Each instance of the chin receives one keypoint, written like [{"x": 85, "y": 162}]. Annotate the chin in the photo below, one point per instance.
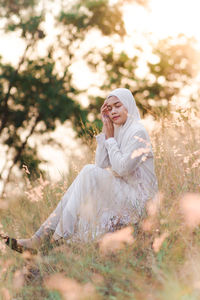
[{"x": 118, "y": 122}]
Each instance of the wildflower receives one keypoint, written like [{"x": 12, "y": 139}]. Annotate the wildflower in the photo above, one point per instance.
[
  {"x": 5, "y": 294},
  {"x": 112, "y": 242},
  {"x": 190, "y": 208},
  {"x": 18, "y": 280},
  {"x": 154, "y": 204},
  {"x": 196, "y": 152},
  {"x": 140, "y": 151},
  {"x": 70, "y": 288},
  {"x": 26, "y": 169},
  {"x": 141, "y": 140},
  {"x": 2, "y": 247},
  {"x": 3, "y": 204},
  {"x": 148, "y": 225},
  {"x": 186, "y": 159},
  {"x": 27, "y": 256},
  {"x": 152, "y": 208},
  {"x": 36, "y": 193},
  {"x": 97, "y": 278},
  {"x": 196, "y": 164},
  {"x": 158, "y": 241},
  {"x": 6, "y": 265}
]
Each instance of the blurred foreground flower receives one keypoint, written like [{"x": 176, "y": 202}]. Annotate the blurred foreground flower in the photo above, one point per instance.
[
  {"x": 5, "y": 265},
  {"x": 3, "y": 204},
  {"x": 97, "y": 278},
  {"x": 28, "y": 256},
  {"x": 190, "y": 270},
  {"x": 69, "y": 288},
  {"x": 18, "y": 280},
  {"x": 158, "y": 241},
  {"x": 5, "y": 294},
  {"x": 112, "y": 242},
  {"x": 152, "y": 208},
  {"x": 139, "y": 152},
  {"x": 190, "y": 208},
  {"x": 154, "y": 205}
]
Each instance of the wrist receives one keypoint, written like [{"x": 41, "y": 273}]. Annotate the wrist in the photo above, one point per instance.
[
  {"x": 109, "y": 142},
  {"x": 109, "y": 136}
]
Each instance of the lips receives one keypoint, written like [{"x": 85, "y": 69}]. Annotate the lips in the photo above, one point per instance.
[{"x": 114, "y": 118}]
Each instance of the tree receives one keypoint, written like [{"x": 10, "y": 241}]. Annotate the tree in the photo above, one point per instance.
[
  {"x": 35, "y": 94},
  {"x": 175, "y": 65}
]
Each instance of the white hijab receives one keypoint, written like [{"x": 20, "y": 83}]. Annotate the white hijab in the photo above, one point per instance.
[{"x": 126, "y": 97}]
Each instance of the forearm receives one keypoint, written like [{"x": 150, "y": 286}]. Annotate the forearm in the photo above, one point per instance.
[{"x": 123, "y": 163}]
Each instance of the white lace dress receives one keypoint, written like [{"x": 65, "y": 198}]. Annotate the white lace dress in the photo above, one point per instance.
[{"x": 112, "y": 190}]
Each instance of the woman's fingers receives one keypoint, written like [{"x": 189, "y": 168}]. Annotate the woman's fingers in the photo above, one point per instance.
[
  {"x": 108, "y": 128},
  {"x": 104, "y": 106},
  {"x": 108, "y": 124},
  {"x": 108, "y": 120},
  {"x": 104, "y": 110}
]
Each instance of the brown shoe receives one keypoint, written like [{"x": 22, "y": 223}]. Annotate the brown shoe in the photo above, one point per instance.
[{"x": 14, "y": 245}]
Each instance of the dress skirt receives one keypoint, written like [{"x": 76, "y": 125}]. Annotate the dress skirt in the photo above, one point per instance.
[{"x": 92, "y": 204}]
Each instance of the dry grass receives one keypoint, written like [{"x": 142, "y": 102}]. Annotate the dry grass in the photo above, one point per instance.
[{"x": 159, "y": 260}]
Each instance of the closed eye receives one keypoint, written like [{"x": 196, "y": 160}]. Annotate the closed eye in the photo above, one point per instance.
[{"x": 115, "y": 104}]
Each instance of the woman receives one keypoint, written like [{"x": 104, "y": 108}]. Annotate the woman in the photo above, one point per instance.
[{"x": 112, "y": 191}]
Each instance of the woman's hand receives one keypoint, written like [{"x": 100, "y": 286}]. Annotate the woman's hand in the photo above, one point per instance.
[
  {"x": 108, "y": 127},
  {"x": 104, "y": 111}
]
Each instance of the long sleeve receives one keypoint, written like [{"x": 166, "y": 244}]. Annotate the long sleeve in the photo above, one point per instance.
[
  {"x": 134, "y": 153},
  {"x": 101, "y": 156}
]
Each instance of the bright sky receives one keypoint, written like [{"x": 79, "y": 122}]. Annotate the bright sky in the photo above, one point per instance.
[
  {"x": 165, "y": 17},
  {"x": 162, "y": 18}
]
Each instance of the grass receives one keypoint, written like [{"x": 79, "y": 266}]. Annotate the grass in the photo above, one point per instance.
[{"x": 150, "y": 268}]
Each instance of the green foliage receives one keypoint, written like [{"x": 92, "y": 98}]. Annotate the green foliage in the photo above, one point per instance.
[
  {"x": 53, "y": 295},
  {"x": 88, "y": 14},
  {"x": 28, "y": 27},
  {"x": 175, "y": 65},
  {"x": 38, "y": 95},
  {"x": 34, "y": 94},
  {"x": 15, "y": 7}
]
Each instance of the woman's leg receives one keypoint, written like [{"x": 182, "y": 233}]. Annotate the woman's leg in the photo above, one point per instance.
[
  {"x": 90, "y": 183},
  {"x": 91, "y": 193}
]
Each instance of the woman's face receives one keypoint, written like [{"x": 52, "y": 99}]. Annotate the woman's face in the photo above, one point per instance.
[{"x": 116, "y": 110}]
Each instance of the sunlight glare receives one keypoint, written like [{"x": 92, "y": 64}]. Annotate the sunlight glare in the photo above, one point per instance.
[{"x": 164, "y": 18}]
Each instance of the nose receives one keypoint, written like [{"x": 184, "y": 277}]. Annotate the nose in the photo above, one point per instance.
[{"x": 113, "y": 111}]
